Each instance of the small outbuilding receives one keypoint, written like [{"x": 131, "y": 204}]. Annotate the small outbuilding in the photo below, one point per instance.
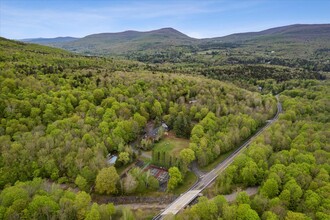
[
  {"x": 111, "y": 159},
  {"x": 154, "y": 134}
]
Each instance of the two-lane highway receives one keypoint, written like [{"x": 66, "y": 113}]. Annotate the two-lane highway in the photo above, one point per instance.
[{"x": 208, "y": 178}]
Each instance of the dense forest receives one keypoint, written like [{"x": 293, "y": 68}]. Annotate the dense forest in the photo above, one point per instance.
[
  {"x": 290, "y": 163},
  {"x": 62, "y": 115}
]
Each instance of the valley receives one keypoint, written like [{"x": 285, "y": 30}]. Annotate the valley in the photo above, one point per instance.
[{"x": 184, "y": 120}]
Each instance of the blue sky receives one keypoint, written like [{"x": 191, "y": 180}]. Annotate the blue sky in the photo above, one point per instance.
[{"x": 51, "y": 18}]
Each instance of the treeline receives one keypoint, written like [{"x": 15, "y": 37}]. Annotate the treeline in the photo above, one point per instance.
[
  {"x": 251, "y": 76},
  {"x": 38, "y": 199},
  {"x": 290, "y": 163},
  {"x": 260, "y": 72},
  {"x": 309, "y": 65}
]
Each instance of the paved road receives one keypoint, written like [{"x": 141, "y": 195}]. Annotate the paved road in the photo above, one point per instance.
[
  {"x": 209, "y": 177},
  {"x": 185, "y": 198}
]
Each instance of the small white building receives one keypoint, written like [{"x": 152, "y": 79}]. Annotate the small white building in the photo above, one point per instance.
[{"x": 112, "y": 159}]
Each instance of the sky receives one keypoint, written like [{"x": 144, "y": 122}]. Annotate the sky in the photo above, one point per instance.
[{"x": 20, "y": 19}]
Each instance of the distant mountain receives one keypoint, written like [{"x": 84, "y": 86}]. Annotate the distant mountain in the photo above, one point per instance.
[
  {"x": 299, "y": 29},
  {"x": 276, "y": 45},
  {"x": 289, "y": 40},
  {"x": 296, "y": 31},
  {"x": 128, "y": 41},
  {"x": 49, "y": 41}
]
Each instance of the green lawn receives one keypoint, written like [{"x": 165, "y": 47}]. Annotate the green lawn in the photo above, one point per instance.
[
  {"x": 144, "y": 159},
  {"x": 171, "y": 144},
  {"x": 221, "y": 158},
  {"x": 188, "y": 181}
]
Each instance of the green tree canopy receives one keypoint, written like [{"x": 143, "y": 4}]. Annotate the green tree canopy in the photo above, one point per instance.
[
  {"x": 175, "y": 178},
  {"x": 106, "y": 181}
]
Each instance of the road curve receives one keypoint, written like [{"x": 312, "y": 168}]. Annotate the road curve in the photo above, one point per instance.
[{"x": 209, "y": 177}]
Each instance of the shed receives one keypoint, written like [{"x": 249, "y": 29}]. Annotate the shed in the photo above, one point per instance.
[{"x": 112, "y": 160}]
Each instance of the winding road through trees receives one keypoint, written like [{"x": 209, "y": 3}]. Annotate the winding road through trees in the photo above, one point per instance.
[{"x": 209, "y": 177}]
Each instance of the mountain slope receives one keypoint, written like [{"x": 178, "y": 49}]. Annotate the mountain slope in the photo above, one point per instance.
[
  {"x": 299, "y": 41},
  {"x": 298, "y": 31},
  {"x": 298, "y": 45},
  {"x": 128, "y": 41},
  {"x": 49, "y": 41}
]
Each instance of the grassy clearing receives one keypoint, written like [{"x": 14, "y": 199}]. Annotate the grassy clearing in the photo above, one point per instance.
[
  {"x": 147, "y": 154},
  {"x": 145, "y": 159},
  {"x": 171, "y": 144},
  {"x": 221, "y": 158},
  {"x": 188, "y": 181},
  {"x": 164, "y": 145}
]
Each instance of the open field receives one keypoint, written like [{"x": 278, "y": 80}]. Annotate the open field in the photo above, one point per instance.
[
  {"x": 171, "y": 144},
  {"x": 165, "y": 153}
]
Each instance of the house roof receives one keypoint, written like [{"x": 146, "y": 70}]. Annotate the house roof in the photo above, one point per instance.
[
  {"x": 112, "y": 159},
  {"x": 154, "y": 132}
]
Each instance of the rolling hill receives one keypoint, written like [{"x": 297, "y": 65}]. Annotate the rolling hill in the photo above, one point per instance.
[
  {"x": 62, "y": 114},
  {"x": 50, "y": 41},
  {"x": 293, "y": 40},
  {"x": 134, "y": 41},
  {"x": 119, "y": 43},
  {"x": 298, "y": 45},
  {"x": 128, "y": 41},
  {"x": 296, "y": 31}
]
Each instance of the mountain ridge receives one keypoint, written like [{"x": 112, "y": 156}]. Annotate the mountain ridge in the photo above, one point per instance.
[
  {"x": 294, "y": 29},
  {"x": 274, "y": 30},
  {"x": 131, "y": 41},
  {"x": 49, "y": 40}
]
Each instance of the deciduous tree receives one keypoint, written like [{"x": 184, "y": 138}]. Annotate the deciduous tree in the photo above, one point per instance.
[
  {"x": 106, "y": 181},
  {"x": 186, "y": 156},
  {"x": 175, "y": 178}
]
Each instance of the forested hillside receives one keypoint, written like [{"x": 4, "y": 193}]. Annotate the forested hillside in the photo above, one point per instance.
[
  {"x": 300, "y": 46},
  {"x": 62, "y": 114},
  {"x": 164, "y": 110}
]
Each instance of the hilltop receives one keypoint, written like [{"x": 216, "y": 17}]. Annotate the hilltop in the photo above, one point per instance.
[
  {"x": 168, "y": 38},
  {"x": 296, "y": 31},
  {"x": 120, "y": 43},
  {"x": 301, "y": 46},
  {"x": 49, "y": 41}
]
